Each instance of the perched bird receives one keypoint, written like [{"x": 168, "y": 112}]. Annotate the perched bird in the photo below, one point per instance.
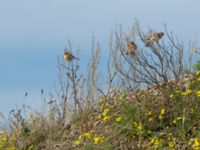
[
  {"x": 132, "y": 47},
  {"x": 154, "y": 38},
  {"x": 69, "y": 57},
  {"x": 51, "y": 101}
]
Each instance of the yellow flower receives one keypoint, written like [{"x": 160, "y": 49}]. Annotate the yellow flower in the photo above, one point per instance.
[
  {"x": 190, "y": 141},
  {"x": 150, "y": 119},
  {"x": 149, "y": 113},
  {"x": 118, "y": 119},
  {"x": 178, "y": 91},
  {"x": 139, "y": 127},
  {"x": 96, "y": 140},
  {"x": 3, "y": 140},
  {"x": 77, "y": 142},
  {"x": 106, "y": 118},
  {"x": 105, "y": 112},
  {"x": 198, "y": 93},
  {"x": 162, "y": 112},
  {"x": 178, "y": 118},
  {"x": 87, "y": 134},
  {"x": 174, "y": 121},
  {"x": 99, "y": 116},
  {"x": 186, "y": 92},
  {"x": 171, "y": 96},
  {"x": 197, "y": 73},
  {"x": 170, "y": 137},
  {"x": 196, "y": 144},
  {"x": 156, "y": 141},
  {"x": 102, "y": 139},
  {"x": 171, "y": 144}
]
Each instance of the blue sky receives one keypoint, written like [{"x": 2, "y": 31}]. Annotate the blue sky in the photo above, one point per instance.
[{"x": 34, "y": 33}]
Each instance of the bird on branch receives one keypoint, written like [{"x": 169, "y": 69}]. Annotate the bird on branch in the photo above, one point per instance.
[
  {"x": 154, "y": 38},
  {"x": 131, "y": 48},
  {"x": 69, "y": 56}
]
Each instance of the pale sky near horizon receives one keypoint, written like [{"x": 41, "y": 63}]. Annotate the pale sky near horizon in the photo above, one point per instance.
[{"x": 33, "y": 33}]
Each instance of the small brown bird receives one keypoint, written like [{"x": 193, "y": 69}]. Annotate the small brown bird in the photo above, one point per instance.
[
  {"x": 69, "y": 57},
  {"x": 51, "y": 101},
  {"x": 132, "y": 47},
  {"x": 154, "y": 38}
]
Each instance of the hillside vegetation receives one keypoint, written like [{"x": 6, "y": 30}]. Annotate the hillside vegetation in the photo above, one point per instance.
[{"x": 150, "y": 100}]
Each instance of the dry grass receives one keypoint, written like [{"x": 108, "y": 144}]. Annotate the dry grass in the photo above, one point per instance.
[{"x": 146, "y": 104}]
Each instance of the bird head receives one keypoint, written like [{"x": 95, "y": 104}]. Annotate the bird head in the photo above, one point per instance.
[{"x": 160, "y": 34}]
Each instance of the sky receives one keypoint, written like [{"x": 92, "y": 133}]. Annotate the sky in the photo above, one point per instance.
[{"x": 33, "y": 33}]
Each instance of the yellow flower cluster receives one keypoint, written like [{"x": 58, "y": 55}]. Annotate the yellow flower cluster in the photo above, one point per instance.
[
  {"x": 6, "y": 143},
  {"x": 150, "y": 116},
  {"x": 177, "y": 119},
  {"x": 77, "y": 142},
  {"x": 156, "y": 142},
  {"x": 98, "y": 139},
  {"x": 118, "y": 118},
  {"x": 198, "y": 93},
  {"x": 105, "y": 117},
  {"x": 89, "y": 135},
  {"x": 3, "y": 141},
  {"x": 171, "y": 141},
  {"x": 195, "y": 143},
  {"x": 138, "y": 127},
  {"x": 162, "y": 113},
  {"x": 187, "y": 92}
]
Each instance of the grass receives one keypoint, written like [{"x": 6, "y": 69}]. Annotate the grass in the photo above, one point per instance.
[
  {"x": 122, "y": 121},
  {"x": 84, "y": 117}
]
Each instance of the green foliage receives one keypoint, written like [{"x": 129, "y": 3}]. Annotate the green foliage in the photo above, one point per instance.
[
  {"x": 142, "y": 123},
  {"x": 196, "y": 66}
]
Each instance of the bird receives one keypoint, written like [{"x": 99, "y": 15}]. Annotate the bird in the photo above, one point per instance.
[
  {"x": 132, "y": 47},
  {"x": 51, "y": 101},
  {"x": 154, "y": 38},
  {"x": 69, "y": 56}
]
